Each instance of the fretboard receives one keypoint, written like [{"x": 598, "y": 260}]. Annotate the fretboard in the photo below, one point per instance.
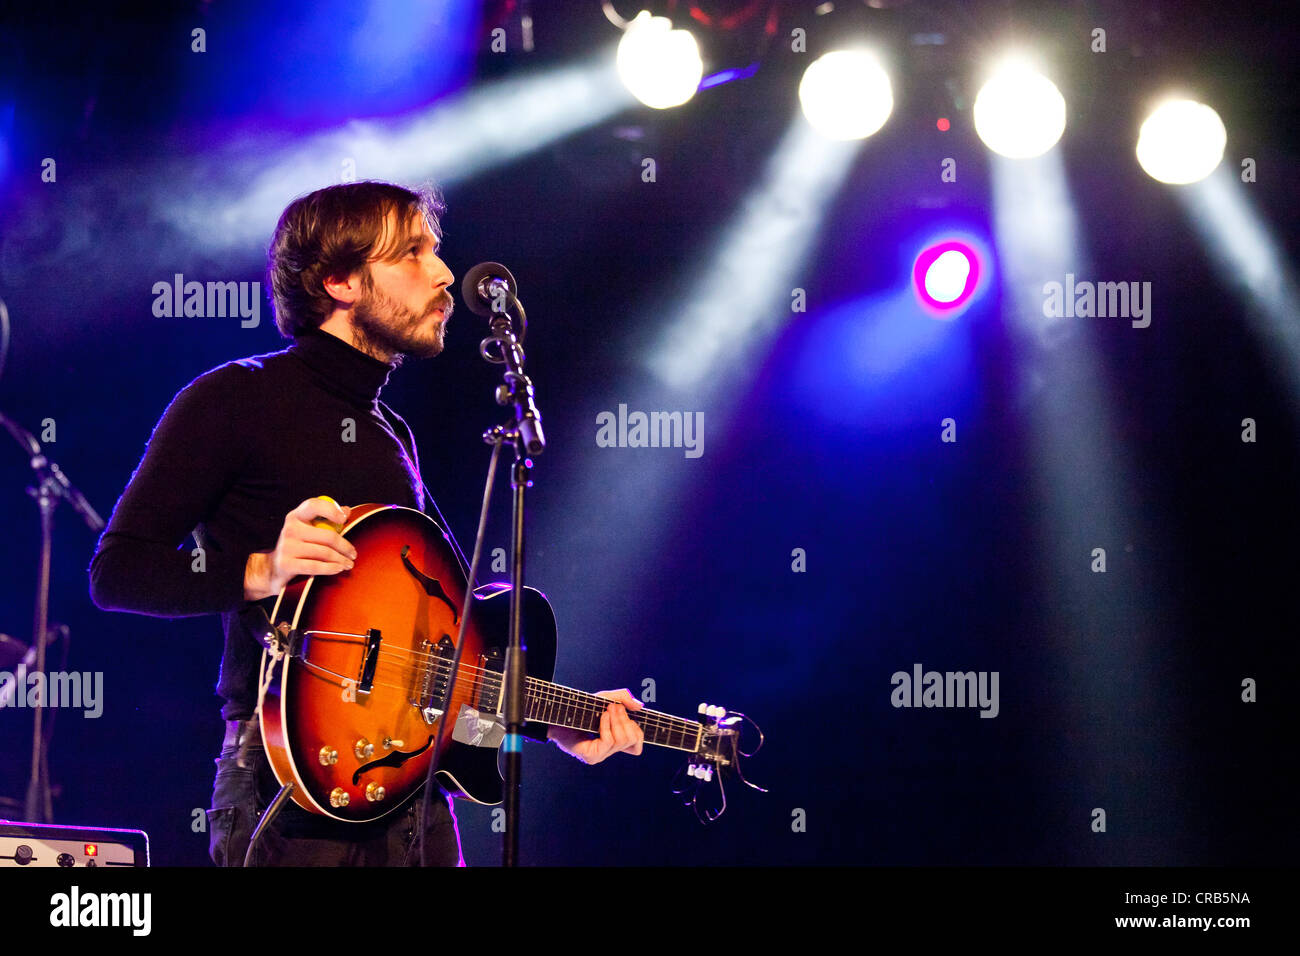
[{"x": 565, "y": 707}]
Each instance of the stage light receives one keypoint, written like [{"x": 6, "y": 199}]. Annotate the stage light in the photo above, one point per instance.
[
  {"x": 1181, "y": 142},
  {"x": 846, "y": 94},
  {"x": 660, "y": 66},
  {"x": 945, "y": 276},
  {"x": 1019, "y": 113}
]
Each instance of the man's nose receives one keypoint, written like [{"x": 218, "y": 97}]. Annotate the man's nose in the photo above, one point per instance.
[{"x": 442, "y": 276}]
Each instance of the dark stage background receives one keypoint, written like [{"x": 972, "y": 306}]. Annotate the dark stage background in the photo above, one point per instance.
[{"x": 1119, "y": 690}]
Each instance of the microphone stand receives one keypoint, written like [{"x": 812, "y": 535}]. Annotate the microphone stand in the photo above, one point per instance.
[
  {"x": 51, "y": 485},
  {"x": 524, "y": 432}
]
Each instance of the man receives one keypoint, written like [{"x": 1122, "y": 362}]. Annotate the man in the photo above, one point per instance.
[{"x": 250, "y": 454}]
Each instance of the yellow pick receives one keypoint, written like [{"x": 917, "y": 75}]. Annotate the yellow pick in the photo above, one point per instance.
[{"x": 323, "y": 522}]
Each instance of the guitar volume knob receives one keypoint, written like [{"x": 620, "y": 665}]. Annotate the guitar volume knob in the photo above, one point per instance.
[
  {"x": 363, "y": 749},
  {"x": 339, "y": 797},
  {"x": 328, "y": 756},
  {"x": 375, "y": 793}
]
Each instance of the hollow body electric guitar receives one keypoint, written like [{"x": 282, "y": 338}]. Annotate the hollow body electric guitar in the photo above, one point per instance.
[{"x": 357, "y": 679}]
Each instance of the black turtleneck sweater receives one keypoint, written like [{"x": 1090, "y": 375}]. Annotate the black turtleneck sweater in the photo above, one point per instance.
[{"x": 238, "y": 449}]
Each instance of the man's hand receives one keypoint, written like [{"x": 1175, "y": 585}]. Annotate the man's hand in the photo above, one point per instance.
[
  {"x": 302, "y": 548},
  {"x": 617, "y": 731}
]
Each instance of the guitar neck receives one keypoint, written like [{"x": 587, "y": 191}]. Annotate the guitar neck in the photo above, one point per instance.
[{"x": 565, "y": 707}]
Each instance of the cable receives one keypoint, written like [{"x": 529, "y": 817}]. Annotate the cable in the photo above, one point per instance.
[{"x": 429, "y": 783}]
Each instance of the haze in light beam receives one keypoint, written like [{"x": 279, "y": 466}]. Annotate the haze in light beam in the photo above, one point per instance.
[
  {"x": 244, "y": 192},
  {"x": 741, "y": 293}
]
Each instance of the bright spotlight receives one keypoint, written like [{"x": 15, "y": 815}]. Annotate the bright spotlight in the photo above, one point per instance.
[
  {"x": 1019, "y": 113},
  {"x": 660, "y": 66},
  {"x": 945, "y": 276},
  {"x": 846, "y": 94},
  {"x": 1181, "y": 142}
]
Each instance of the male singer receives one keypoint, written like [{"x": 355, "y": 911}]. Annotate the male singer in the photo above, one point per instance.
[{"x": 245, "y": 458}]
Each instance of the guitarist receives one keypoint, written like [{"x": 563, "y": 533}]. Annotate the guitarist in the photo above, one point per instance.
[{"x": 243, "y": 458}]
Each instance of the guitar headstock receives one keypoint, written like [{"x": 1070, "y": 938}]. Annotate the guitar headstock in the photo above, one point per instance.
[{"x": 719, "y": 753}]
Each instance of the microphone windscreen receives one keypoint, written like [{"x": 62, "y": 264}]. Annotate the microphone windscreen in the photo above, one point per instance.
[{"x": 475, "y": 300}]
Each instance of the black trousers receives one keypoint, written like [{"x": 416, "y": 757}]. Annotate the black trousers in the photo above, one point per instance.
[{"x": 299, "y": 838}]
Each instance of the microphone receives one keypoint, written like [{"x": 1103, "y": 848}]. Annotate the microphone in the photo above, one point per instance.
[
  {"x": 489, "y": 290},
  {"x": 489, "y": 287}
]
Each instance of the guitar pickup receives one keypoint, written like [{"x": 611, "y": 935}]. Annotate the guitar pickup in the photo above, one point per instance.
[
  {"x": 433, "y": 683},
  {"x": 491, "y": 698},
  {"x": 369, "y": 661}
]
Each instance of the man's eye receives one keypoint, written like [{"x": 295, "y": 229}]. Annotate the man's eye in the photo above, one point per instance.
[{"x": 413, "y": 251}]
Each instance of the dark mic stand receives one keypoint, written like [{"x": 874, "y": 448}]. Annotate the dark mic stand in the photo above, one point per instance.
[
  {"x": 51, "y": 485},
  {"x": 489, "y": 289}
]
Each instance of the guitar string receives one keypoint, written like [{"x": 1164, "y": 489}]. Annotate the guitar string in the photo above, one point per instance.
[
  {"x": 589, "y": 705},
  {"x": 547, "y": 694},
  {"x": 551, "y": 689},
  {"x": 597, "y": 703},
  {"x": 543, "y": 691},
  {"x": 593, "y": 703},
  {"x": 544, "y": 697}
]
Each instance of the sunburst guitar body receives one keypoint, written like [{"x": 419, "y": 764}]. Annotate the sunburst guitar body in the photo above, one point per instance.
[{"x": 357, "y": 679}]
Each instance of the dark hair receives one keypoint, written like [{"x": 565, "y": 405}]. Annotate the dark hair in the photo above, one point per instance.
[{"x": 334, "y": 232}]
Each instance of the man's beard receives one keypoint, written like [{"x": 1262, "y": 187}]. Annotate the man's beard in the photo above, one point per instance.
[{"x": 385, "y": 325}]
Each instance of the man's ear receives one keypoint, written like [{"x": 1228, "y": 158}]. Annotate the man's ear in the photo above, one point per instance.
[{"x": 345, "y": 290}]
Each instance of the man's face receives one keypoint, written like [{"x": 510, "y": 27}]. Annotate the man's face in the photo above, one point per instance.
[{"x": 405, "y": 305}]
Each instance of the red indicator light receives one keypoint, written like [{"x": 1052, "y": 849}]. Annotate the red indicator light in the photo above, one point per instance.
[
  {"x": 942, "y": 124},
  {"x": 92, "y": 849}
]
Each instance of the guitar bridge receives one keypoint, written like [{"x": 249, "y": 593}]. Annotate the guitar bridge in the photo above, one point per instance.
[
  {"x": 369, "y": 661},
  {"x": 434, "y": 678}
]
